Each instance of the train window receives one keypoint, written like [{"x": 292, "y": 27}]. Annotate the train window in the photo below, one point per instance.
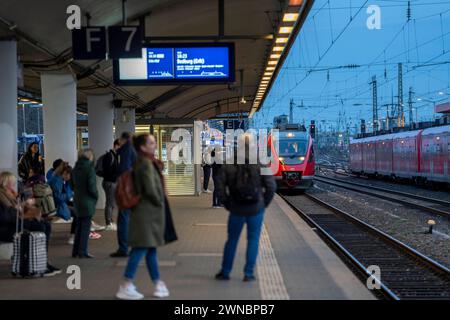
[
  {"x": 291, "y": 147},
  {"x": 438, "y": 148}
]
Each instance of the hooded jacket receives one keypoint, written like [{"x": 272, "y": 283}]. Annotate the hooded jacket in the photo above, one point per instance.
[{"x": 62, "y": 193}]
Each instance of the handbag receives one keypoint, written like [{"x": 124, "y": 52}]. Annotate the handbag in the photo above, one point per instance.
[
  {"x": 126, "y": 197},
  {"x": 170, "y": 235}
]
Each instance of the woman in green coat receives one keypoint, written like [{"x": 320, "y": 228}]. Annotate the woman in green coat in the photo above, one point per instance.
[
  {"x": 85, "y": 195},
  {"x": 147, "y": 220}
]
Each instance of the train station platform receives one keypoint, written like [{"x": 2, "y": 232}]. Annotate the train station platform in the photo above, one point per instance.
[{"x": 294, "y": 263}]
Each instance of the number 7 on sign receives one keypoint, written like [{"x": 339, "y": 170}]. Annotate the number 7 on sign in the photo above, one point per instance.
[
  {"x": 125, "y": 42},
  {"x": 133, "y": 31}
]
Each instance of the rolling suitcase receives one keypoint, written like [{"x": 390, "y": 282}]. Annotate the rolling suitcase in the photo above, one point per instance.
[{"x": 29, "y": 252}]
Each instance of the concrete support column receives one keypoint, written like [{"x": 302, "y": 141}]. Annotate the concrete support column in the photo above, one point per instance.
[
  {"x": 100, "y": 127},
  {"x": 8, "y": 106},
  {"x": 59, "y": 99},
  {"x": 125, "y": 120}
]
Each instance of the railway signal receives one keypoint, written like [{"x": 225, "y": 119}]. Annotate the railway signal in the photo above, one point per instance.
[{"x": 312, "y": 129}]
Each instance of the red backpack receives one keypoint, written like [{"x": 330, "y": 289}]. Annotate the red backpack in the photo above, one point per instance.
[{"x": 126, "y": 197}]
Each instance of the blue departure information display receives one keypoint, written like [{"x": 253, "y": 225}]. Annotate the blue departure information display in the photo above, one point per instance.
[
  {"x": 201, "y": 62},
  {"x": 181, "y": 63},
  {"x": 159, "y": 63}
]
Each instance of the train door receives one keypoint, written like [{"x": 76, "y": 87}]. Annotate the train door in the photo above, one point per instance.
[
  {"x": 447, "y": 156},
  {"x": 425, "y": 166},
  {"x": 395, "y": 158},
  {"x": 411, "y": 142},
  {"x": 356, "y": 157},
  {"x": 438, "y": 160},
  {"x": 440, "y": 155}
]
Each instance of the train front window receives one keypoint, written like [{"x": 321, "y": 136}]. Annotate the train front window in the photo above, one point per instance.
[
  {"x": 292, "y": 148},
  {"x": 292, "y": 151}
]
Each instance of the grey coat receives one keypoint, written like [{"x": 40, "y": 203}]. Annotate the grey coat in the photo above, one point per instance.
[{"x": 147, "y": 219}]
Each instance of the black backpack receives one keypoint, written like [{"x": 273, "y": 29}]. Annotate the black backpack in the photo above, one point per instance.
[
  {"x": 247, "y": 187},
  {"x": 99, "y": 170}
]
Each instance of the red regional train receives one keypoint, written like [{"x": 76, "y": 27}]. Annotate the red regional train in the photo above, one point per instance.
[
  {"x": 420, "y": 155},
  {"x": 296, "y": 157}
]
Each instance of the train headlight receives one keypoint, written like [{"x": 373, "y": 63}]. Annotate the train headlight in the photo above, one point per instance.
[
  {"x": 281, "y": 159},
  {"x": 302, "y": 158},
  {"x": 290, "y": 134}
]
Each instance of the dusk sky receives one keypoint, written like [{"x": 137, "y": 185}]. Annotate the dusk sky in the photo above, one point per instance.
[{"x": 329, "y": 40}]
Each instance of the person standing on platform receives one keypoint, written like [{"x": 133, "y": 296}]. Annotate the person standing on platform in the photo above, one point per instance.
[
  {"x": 110, "y": 175},
  {"x": 127, "y": 158},
  {"x": 206, "y": 174},
  {"x": 85, "y": 198},
  {"x": 215, "y": 175},
  {"x": 245, "y": 193},
  {"x": 149, "y": 221}
]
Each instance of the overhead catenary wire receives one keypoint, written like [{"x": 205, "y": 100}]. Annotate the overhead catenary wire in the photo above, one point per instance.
[
  {"x": 414, "y": 52},
  {"x": 327, "y": 50}
]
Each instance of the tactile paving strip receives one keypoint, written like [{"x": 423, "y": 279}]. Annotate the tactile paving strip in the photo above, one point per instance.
[{"x": 271, "y": 283}]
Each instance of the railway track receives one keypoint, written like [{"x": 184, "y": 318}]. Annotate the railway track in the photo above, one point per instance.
[
  {"x": 432, "y": 205},
  {"x": 405, "y": 273}
]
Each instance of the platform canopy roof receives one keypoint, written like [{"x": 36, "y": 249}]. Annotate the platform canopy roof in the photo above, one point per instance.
[{"x": 44, "y": 45}]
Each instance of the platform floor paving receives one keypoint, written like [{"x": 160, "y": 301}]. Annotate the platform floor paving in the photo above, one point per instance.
[{"x": 294, "y": 263}]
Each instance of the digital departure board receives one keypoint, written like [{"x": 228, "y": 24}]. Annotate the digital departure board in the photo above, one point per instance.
[{"x": 178, "y": 64}]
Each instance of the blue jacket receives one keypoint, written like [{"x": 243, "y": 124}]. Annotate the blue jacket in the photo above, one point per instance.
[
  {"x": 49, "y": 174},
  {"x": 127, "y": 157},
  {"x": 62, "y": 193}
]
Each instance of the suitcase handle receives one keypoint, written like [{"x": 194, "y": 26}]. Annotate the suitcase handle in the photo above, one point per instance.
[{"x": 19, "y": 213}]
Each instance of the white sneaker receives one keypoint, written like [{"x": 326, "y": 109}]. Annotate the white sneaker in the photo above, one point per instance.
[
  {"x": 207, "y": 191},
  {"x": 128, "y": 292},
  {"x": 97, "y": 227},
  {"x": 111, "y": 227},
  {"x": 161, "y": 290},
  {"x": 71, "y": 239},
  {"x": 63, "y": 221},
  {"x": 217, "y": 207}
]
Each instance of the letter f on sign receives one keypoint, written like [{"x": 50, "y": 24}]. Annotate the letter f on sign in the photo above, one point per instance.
[{"x": 90, "y": 38}]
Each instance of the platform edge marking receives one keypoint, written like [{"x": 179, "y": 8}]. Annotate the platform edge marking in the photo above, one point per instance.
[{"x": 271, "y": 282}]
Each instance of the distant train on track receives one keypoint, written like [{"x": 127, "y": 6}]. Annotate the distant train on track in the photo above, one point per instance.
[
  {"x": 295, "y": 155},
  {"x": 420, "y": 155}
]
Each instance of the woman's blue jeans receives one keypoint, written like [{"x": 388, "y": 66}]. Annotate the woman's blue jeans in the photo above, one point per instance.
[
  {"x": 135, "y": 257},
  {"x": 235, "y": 224}
]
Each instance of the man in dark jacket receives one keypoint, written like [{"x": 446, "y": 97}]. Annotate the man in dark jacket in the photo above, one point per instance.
[
  {"x": 242, "y": 211},
  {"x": 110, "y": 167},
  {"x": 127, "y": 158},
  {"x": 126, "y": 153}
]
